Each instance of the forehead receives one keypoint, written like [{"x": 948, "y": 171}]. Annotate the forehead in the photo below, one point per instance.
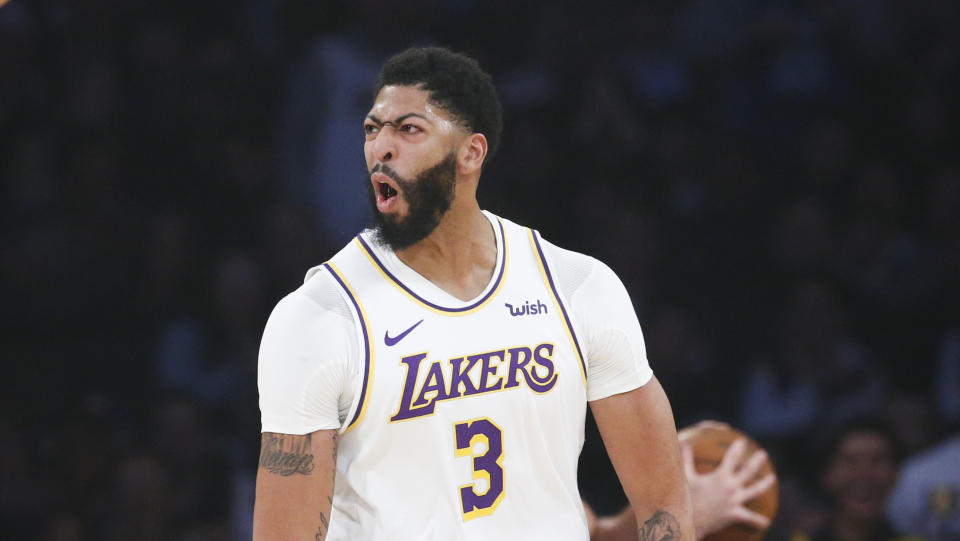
[
  {"x": 865, "y": 443},
  {"x": 396, "y": 100}
]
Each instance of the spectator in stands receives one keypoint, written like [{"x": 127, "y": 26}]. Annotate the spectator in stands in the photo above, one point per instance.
[{"x": 859, "y": 469}]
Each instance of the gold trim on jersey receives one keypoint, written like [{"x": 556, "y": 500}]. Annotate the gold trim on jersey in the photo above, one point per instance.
[
  {"x": 564, "y": 318},
  {"x": 368, "y": 339},
  {"x": 501, "y": 278}
]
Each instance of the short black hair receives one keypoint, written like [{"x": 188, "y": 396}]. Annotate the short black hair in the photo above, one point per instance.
[
  {"x": 859, "y": 424},
  {"x": 455, "y": 82}
]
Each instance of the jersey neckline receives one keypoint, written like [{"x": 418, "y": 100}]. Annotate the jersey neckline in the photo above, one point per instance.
[{"x": 427, "y": 293}]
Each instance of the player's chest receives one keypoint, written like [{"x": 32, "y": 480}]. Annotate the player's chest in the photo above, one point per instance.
[{"x": 517, "y": 345}]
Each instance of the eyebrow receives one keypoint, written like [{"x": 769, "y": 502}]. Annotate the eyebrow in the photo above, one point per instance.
[{"x": 399, "y": 119}]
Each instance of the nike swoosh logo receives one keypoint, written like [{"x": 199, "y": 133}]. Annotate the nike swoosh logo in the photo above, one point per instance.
[{"x": 390, "y": 341}]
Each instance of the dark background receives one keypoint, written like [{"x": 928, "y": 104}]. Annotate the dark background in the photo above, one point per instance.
[{"x": 777, "y": 183}]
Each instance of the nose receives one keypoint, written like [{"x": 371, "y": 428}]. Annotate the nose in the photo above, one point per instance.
[{"x": 384, "y": 145}]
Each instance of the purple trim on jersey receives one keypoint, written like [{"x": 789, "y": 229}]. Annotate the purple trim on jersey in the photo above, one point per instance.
[
  {"x": 556, "y": 295},
  {"x": 496, "y": 284},
  {"x": 366, "y": 343}
]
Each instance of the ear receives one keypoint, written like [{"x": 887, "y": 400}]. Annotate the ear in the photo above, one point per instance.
[{"x": 472, "y": 152}]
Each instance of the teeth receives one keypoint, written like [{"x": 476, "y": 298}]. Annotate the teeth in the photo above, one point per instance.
[{"x": 386, "y": 191}]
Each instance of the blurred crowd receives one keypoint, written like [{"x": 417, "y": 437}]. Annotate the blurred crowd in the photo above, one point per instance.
[{"x": 777, "y": 183}]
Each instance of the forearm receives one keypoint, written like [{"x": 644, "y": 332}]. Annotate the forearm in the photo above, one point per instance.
[
  {"x": 294, "y": 486},
  {"x": 638, "y": 431},
  {"x": 623, "y": 527},
  {"x": 718, "y": 498}
]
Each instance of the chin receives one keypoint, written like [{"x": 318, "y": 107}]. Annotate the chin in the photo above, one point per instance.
[
  {"x": 864, "y": 510},
  {"x": 393, "y": 216}
]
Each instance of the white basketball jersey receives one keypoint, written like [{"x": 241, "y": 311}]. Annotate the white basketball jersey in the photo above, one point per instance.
[{"x": 469, "y": 423}]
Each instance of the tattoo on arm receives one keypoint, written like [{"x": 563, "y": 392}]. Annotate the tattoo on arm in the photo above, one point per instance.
[
  {"x": 662, "y": 526},
  {"x": 322, "y": 530},
  {"x": 324, "y": 521},
  {"x": 286, "y": 455},
  {"x": 335, "y": 438}
]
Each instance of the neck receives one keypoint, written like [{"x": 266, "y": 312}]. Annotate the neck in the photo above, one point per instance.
[{"x": 460, "y": 255}]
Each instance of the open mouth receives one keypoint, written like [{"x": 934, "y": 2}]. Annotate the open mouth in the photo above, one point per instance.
[{"x": 386, "y": 190}]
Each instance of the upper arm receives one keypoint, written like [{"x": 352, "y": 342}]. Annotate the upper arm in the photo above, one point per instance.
[
  {"x": 638, "y": 431},
  {"x": 305, "y": 377},
  {"x": 613, "y": 341},
  {"x": 307, "y": 366},
  {"x": 294, "y": 486}
]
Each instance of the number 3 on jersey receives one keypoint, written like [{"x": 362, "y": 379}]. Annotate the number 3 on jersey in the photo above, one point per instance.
[{"x": 480, "y": 499}]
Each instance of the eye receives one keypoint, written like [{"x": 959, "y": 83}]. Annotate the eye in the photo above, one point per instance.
[
  {"x": 410, "y": 128},
  {"x": 370, "y": 129}
]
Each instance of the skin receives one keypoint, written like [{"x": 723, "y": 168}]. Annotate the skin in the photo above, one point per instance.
[
  {"x": 294, "y": 486},
  {"x": 718, "y": 497},
  {"x": 407, "y": 132},
  {"x": 638, "y": 431},
  {"x": 721, "y": 495},
  {"x": 859, "y": 476},
  {"x": 461, "y": 253}
]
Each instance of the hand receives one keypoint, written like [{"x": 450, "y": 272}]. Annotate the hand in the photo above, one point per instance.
[{"x": 719, "y": 497}]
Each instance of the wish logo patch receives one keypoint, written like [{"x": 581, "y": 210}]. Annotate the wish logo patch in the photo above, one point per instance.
[{"x": 527, "y": 308}]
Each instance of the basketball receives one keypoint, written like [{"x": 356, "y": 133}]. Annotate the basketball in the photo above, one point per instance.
[{"x": 709, "y": 443}]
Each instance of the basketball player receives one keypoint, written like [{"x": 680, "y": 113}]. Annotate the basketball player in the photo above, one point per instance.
[{"x": 431, "y": 380}]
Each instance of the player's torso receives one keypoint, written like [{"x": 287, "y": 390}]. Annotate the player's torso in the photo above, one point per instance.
[{"x": 470, "y": 422}]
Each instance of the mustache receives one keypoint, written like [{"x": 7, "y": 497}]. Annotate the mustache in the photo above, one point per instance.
[{"x": 387, "y": 170}]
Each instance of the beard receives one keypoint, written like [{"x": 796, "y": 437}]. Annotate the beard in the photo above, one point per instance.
[{"x": 428, "y": 197}]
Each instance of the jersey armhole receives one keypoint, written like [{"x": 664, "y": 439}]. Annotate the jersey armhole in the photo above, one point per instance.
[
  {"x": 357, "y": 408},
  {"x": 560, "y": 300}
]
